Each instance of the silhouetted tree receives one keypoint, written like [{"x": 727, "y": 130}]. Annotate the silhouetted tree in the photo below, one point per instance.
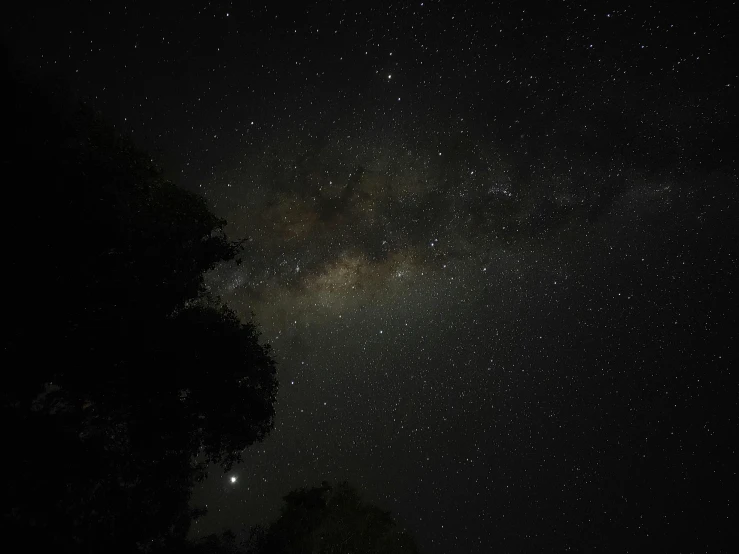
[
  {"x": 225, "y": 543},
  {"x": 328, "y": 520},
  {"x": 119, "y": 370}
]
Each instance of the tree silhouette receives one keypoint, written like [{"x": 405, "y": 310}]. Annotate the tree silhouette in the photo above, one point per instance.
[
  {"x": 330, "y": 519},
  {"x": 120, "y": 370},
  {"x": 214, "y": 544}
]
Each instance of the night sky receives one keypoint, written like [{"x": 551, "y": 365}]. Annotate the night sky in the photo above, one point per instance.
[{"x": 492, "y": 245}]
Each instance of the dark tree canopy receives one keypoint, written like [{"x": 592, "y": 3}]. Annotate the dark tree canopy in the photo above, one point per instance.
[
  {"x": 116, "y": 362},
  {"x": 331, "y": 519}
]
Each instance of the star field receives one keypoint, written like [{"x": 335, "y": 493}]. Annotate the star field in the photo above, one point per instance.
[{"x": 493, "y": 248}]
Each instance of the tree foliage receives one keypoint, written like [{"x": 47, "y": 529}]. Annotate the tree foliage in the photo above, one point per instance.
[
  {"x": 331, "y": 519},
  {"x": 119, "y": 369}
]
